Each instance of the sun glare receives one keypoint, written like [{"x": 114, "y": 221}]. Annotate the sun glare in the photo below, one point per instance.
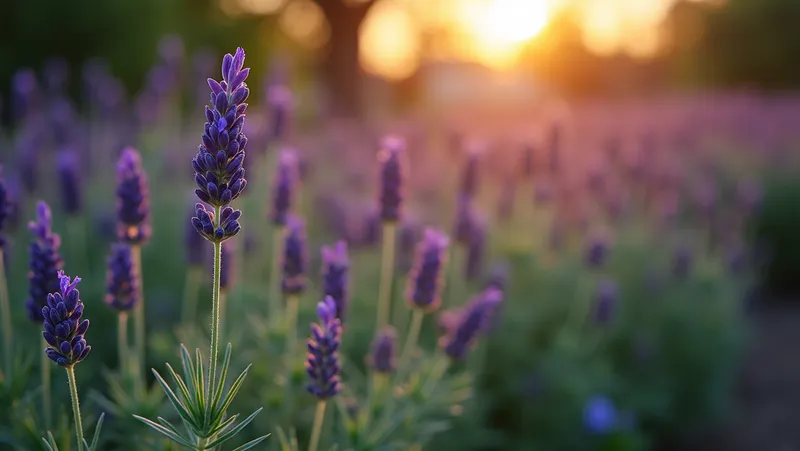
[{"x": 515, "y": 21}]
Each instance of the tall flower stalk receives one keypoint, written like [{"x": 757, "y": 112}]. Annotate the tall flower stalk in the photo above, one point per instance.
[
  {"x": 392, "y": 172},
  {"x": 294, "y": 277},
  {"x": 322, "y": 363},
  {"x": 5, "y": 308},
  {"x": 282, "y": 200},
  {"x": 64, "y": 334},
  {"x": 133, "y": 227},
  {"x": 45, "y": 264},
  {"x": 122, "y": 295},
  {"x": 219, "y": 176}
]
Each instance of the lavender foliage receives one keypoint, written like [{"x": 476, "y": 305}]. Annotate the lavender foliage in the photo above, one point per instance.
[{"x": 63, "y": 329}]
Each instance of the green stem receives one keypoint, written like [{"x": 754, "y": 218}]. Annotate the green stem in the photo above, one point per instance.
[
  {"x": 212, "y": 364},
  {"x": 46, "y": 403},
  {"x": 274, "y": 271},
  {"x": 387, "y": 272},
  {"x": 223, "y": 298},
  {"x": 5, "y": 311},
  {"x": 412, "y": 338},
  {"x": 122, "y": 342},
  {"x": 319, "y": 416},
  {"x": 190, "y": 296},
  {"x": 291, "y": 324},
  {"x": 454, "y": 265},
  {"x": 139, "y": 320},
  {"x": 76, "y": 408}
]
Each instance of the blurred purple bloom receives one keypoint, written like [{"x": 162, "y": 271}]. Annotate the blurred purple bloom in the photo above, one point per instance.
[
  {"x": 600, "y": 415},
  {"x": 133, "y": 199},
  {"x": 70, "y": 182},
  {"x": 45, "y": 262},
  {"x": 597, "y": 252},
  {"x": 335, "y": 277},
  {"x": 383, "y": 358},
  {"x": 605, "y": 302},
  {"x": 281, "y": 104},
  {"x": 284, "y": 187},
  {"x": 476, "y": 318},
  {"x": 122, "y": 284},
  {"x": 465, "y": 217},
  {"x": 425, "y": 282},
  {"x": 392, "y": 174},
  {"x": 294, "y": 257},
  {"x": 476, "y": 250},
  {"x": 469, "y": 175}
]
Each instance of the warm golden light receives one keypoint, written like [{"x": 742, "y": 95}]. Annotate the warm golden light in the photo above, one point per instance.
[
  {"x": 514, "y": 21},
  {"x": 304, "y": 22},
  {"x": 390, "y": 41}
]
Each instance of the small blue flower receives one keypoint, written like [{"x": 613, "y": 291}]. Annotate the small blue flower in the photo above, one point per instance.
[{"x": 600, "y": 415}]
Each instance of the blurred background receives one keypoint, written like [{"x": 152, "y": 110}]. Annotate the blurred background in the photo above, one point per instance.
[{"x": 643, "y": 151}]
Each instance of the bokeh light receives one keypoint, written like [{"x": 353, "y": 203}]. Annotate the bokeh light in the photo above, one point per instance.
[
  {"x": 304, "y": 22},
  {"x": 390, "y": 42}
]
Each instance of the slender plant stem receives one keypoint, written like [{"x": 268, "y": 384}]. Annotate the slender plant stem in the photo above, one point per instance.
[
  {"x": 190, "y": 296},
  {"x": 454, "y": 265},
  {"x": 413, "y": 336},
  {"x": 5, "y": 311},
  {"x": 292, "y": 303},
  {"x": 223, "y": 298},
  {"x": 122, "y": 342},
  {"x": 274, "y": 271},
  {"x": 76, "y": 408},
  {"x": 387, "y": 273},
  {"x": 46, "y": 402},
  {"x": 215, "y": 302},
  {"x": 319, "y": 417},
  {"x": 139, "y": 320}
]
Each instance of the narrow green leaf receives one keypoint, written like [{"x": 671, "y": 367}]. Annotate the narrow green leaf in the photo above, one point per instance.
[
  {"x": 284, "y": 441},
  {"x": 97, "y": 430},
  {"x": 220, "y": 428},
  {"x": 172, "y": 436},
  {"x": 251, "y": 444},
  {"x": 199, "y": 375},
  {"x": 235, "y": 386},
  {"x": 182, "y": 411},
  {"x": 227, "y": 436},
  {"x": 188, "y": 370},
  {"x": 86, "y": 445},
  {"x": 164, "y": 422},
  {"x": 184, "y": 390},
  {"x": 226, "y": 361}
]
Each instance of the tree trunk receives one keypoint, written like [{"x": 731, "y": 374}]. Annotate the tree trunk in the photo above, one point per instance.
[{"x": 343, "y": 76}]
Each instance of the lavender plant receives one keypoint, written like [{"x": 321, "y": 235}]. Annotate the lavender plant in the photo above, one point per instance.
[
  {"x": 220, "y": 179},
  {"x": 64, "y": 334},
  {"x": 335, "y": 276},
  {"x": 133, "y": 227},
  {"x": 294, "y": 276},
  {"x": 322, "y": 363},
  {"x": 390, "y": 193},
  {"x": 122, "y": 295},
  {"x": 43, "y": 279},
  {"x": 284, "y": 191}
]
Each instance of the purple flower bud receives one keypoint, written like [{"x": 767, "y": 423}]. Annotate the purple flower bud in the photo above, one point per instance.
[
  {"x": 322, "y": 360},
  {"x": 335, "y": 269},
  {"x": 45, "y": 262},
  {"x": 63, "y": 329},
  {"x": 294, "y": 258},
  {"x": 597, "y": 252},
  {"x": 281, "y": 103},
  {"x": 133, "y": 199},
  {"x": 284, "y": 188},
  {"x": 426, "y": 278},
  {"x": 383, "y": 357},
  {"x": 476, "y": 317},
  {"x": 121, "y": 281},
  {"x": 605, "y": 302},
  {"x": 392, "y": 174},
  {"x": 70, "y": 185}
]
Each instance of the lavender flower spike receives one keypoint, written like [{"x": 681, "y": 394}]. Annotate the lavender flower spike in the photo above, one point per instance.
[
  {"x": 122, "y": 284},
  {"x": 219, "y": 173},
  {"x": 392, "y": 173},
  {"x": 45, "y": 262},
  {"x": 133, "y": 203},
  {"x": 284, "y": 188},
  {"x": 69, "y": 181},
  {"x": 5, "y": 207},
  {"x": 335, "y": 268},
  {"x": 605, "y": 302},
  {"x": 294, "y": 258},
  {"x": 476, "y": 318},
  {"x": 62, "y": 329},
  {"x": 322, "y": 361},
  {"x": 425, "y": 280},
  {"x": 383, "y": 359}
]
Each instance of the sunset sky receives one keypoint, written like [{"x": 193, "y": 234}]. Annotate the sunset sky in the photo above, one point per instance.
[{"x": 491, "y": 32}]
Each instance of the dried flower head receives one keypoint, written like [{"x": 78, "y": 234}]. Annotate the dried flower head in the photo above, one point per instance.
[
  {"x": 426, "y": 279},
  {"x": 45, "y": 262},
  {"x": 335, "y": 275},
  {"x": 63, "y": 329},
  {"x": 322, "y": 361},
  {"x": 392, "y": 173},
  {"x": 121, "y": 282},
  {"x": 133, "y": 199}
]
